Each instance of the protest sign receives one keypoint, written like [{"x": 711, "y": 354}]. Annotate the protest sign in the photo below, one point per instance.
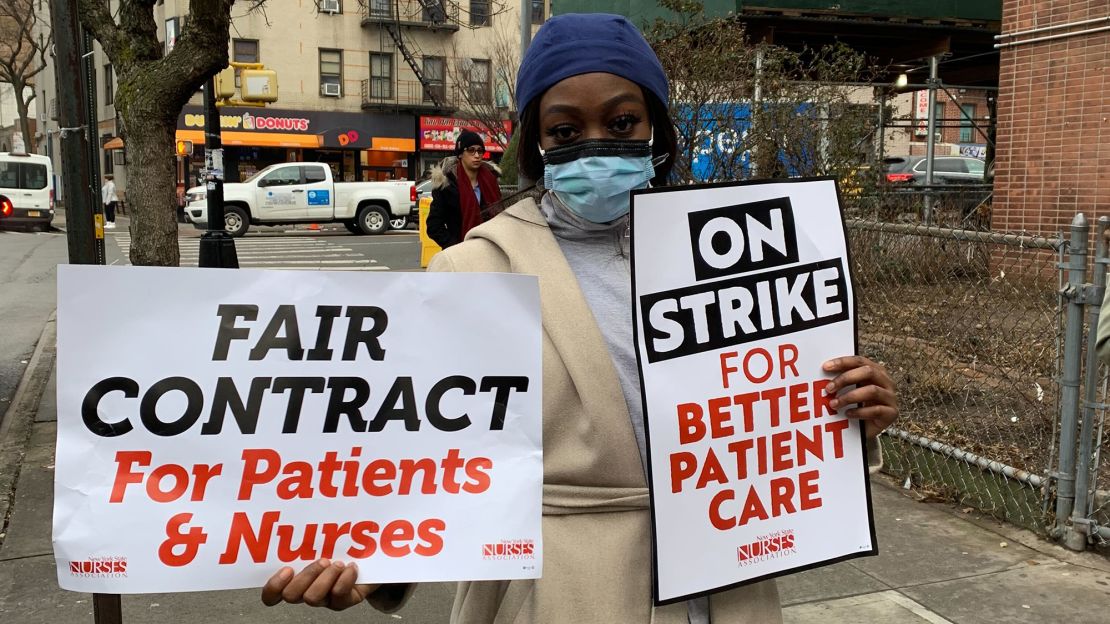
[
  {"x": 742, "y": 292},
  {"x": 214, "y": 426}
]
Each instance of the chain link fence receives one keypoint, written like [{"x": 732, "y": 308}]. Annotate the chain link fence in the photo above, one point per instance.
[{"x": 969, "y": 325}]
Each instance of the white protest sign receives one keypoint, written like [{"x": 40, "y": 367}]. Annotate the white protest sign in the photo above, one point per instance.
[
  {"x": 215, "y": 425},
  {"x": 742, "y": 292}
]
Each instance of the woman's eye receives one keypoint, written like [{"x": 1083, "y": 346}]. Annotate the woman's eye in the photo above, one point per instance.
[
  {"x": 624, "y": 124},
  {"x": 562, "y": 134}
]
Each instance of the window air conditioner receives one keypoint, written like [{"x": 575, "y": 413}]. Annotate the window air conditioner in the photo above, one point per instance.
[
  {"x": 329, "y": 6},
  {"x": 332, "y": 89}
]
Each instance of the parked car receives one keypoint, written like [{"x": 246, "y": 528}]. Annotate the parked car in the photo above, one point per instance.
[
  {"x": 26, "y": 194},
  {"x": 291, "y": 193},
  {"x": 946, "y": 170}
]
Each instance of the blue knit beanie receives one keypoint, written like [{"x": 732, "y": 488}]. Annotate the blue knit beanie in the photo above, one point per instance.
[{"x": 583, "y": 43}]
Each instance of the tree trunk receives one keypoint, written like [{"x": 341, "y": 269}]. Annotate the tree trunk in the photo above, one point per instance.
[
  {"x": 148, "y": 133},
  {"x": 24, "y": 120}
]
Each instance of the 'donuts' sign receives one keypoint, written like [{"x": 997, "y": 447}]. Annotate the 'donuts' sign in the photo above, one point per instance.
[{"x": 214, "y": 426}]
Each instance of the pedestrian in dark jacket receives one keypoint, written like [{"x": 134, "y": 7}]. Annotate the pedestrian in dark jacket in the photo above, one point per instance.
[{"x": 456, "y": 208}]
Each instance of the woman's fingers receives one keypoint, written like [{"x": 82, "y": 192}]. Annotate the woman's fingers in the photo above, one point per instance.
[
  {"x": 873, "y": 391},
  {"x": 319, "y": 592},
  {"x": 875, "y": 418},
  {"x": 271, "y": 591},
  {"x": 856, "y": 370},
  {"x": 294, "y": 591}
]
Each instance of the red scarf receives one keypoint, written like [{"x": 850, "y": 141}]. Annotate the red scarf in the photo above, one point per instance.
[{"x": 468, "y": 203}]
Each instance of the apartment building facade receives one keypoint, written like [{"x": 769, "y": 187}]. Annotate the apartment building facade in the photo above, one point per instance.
[{"x": 375, "y": 88}]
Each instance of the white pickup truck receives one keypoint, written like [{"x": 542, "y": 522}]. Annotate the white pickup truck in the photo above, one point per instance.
[{"x": 303, "y": 192}]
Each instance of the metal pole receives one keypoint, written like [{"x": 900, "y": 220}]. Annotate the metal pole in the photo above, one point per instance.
[
  {"x": 522, "y": 181},
  {"x": 525, "y": 26},
  {"x": 1069, "y": 391},
  {"x": 931, "y": 140},
  {"x": 91, "y": 119},
  {"x": 107, "y": 609},
  {"x": 81, "y": 232},
  {"x": 1076, "y": 537},
  {"x": 753, "y": 117},
  {"x": 217, "y": 248}
]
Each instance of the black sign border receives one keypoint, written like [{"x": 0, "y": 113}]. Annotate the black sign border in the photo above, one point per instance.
[{"x": 874, "y": 551}]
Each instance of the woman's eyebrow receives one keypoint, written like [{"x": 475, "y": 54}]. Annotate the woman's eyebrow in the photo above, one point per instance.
[
  {"x": 623, "y": 98},
  {"x": 570, "y": 109}
]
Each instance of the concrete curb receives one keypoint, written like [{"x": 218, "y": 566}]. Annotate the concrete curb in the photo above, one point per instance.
[{"x": 15, "y": 428}]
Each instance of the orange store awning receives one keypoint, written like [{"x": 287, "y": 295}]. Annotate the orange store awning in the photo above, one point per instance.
[
  {"x": 255, "y": 139},
  {"x": 113, "y": 144}
]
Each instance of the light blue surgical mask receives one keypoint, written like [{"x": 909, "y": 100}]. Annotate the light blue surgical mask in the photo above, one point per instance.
[{"x": 594, "y": 178}]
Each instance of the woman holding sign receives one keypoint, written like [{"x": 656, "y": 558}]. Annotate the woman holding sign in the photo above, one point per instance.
[{"x": 594, "y": 126}]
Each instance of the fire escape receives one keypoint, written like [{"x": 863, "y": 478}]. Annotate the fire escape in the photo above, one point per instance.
[{"x": 395, "y": 19}]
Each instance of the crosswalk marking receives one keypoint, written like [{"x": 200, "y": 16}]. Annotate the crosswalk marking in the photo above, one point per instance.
[{"x": 299, "y": 254}]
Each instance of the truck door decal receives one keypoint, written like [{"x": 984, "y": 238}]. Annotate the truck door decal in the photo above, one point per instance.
[{"x": 319, "y": 198}]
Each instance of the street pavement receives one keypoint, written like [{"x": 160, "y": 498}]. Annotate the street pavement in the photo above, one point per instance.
[{"x": 937, "y": 564}]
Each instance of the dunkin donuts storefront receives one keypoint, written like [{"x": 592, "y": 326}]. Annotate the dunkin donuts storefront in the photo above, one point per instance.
[{"x": 357, "y": 146}]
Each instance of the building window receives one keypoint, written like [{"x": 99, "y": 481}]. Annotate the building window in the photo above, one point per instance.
[
  {"x": 479, "y": 12},
  {"x": 331, "y": 6},
  {"x": 381, "y": 76},
  {"x": 478, "y": 81},
  {"x": 538, "y": 11},
  {"x": 381, "y": 8},
  {"x": 967, "y": 128},
  {"x": 433, "y": 11},
  {"x": 434, "y": 84},
  {"x": 244, "y": 51},
  {"x": 331, "y": 72},
  {"x": 109, "y": 86}
]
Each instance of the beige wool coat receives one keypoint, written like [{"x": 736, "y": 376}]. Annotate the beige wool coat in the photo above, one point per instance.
[{"x": 596, "y": 526}]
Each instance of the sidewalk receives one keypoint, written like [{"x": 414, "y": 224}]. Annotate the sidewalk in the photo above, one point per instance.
[{"x": 936, "y": 565}]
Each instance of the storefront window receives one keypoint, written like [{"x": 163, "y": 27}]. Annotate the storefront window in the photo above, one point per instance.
[{"x": 538, "y": 11}]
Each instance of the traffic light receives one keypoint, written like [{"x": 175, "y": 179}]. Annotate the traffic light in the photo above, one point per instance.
[
  {"x": 258, "y": 85},
  {"x": 185, "y": 148}
]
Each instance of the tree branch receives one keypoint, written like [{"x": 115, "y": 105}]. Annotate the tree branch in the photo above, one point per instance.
[{"x": 95, "y": 15}]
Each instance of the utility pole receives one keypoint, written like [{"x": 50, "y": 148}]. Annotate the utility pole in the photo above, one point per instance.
[
  {"x": 931, "y": 140},
  {"x": 91, "y": 122},
  {"x": 81, "y": 233},
  {"x": 217, "y": 248},
  {"x": 522, "y": 181}
]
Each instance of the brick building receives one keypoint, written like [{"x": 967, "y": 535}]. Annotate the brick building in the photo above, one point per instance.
[{"x": 1053, "y": 114}]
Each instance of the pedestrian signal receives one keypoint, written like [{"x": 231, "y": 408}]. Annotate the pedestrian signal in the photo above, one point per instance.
[{"x": 184, "y": 148}]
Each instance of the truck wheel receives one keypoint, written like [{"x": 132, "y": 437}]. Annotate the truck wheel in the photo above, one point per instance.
[
  {"x": 236, "y": 221},
  {"x": 352, "y": 227},
  {"x": 373, "y": 219},
  {"x": 398, "y": 223}
]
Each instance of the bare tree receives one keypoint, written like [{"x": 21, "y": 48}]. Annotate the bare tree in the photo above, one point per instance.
[
  {"x": 25, "y": 40},
  {"x": 487, "y": 87},
  {"x": 152, "y": 88},
  {"x": 745, "y": 109}
]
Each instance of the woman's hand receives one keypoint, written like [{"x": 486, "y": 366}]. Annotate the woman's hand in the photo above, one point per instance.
[
  {"x": 874, "y": 391},
  {"x": 322, "y": 583}
]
